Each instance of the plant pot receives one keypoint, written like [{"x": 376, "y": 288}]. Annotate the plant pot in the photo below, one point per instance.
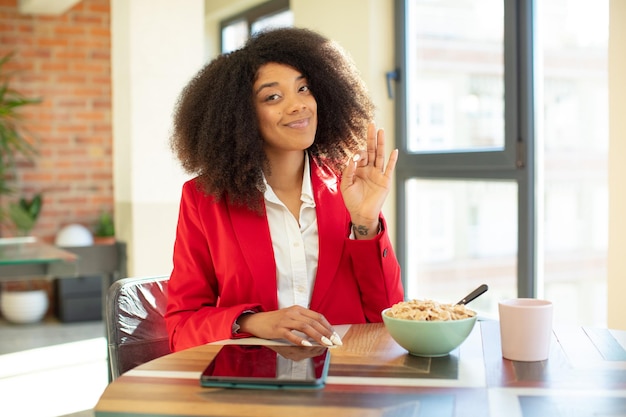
[
  {"x": 104, "y": 240},
  {"x": 24, "y": 306}
]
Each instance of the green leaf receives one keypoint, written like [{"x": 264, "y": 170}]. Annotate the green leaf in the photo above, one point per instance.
[
  {"x": 35, "y": 206},
  {"x": 13, "y": 139},
  {"x": 32, "y": 207},
  {"x": 105, "y": 226},
  {"x": 20, "y": 217}
]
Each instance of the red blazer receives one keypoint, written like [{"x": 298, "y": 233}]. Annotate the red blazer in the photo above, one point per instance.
[{"x": 224, "y": 265}]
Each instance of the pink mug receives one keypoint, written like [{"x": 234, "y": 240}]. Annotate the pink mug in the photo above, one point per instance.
[{"x": 525, "y": 329}]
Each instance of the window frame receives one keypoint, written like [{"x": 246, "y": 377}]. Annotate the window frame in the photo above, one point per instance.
[
  {"x": 250, "y": 16},
  {"x": 515, "y": 162}
]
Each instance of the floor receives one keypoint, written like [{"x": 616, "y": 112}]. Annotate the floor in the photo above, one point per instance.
[{"x": 65, "y": 363}]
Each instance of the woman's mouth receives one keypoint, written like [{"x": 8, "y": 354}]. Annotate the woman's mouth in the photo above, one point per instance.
[{"x": 298, "y": 124}]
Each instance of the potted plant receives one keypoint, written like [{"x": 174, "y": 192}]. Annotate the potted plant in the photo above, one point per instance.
[
  {"x": 24, "y": 213},
  {"x": 14, "y": 144},
  {"x": 22, "y": 301},
  {"x": 105, "y": 229}
]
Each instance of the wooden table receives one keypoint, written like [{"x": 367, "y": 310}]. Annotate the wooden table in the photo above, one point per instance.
[{"x": 370, "y": 375}]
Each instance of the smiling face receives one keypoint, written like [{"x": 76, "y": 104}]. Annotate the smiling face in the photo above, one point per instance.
[{"x": 285, "y": 108}]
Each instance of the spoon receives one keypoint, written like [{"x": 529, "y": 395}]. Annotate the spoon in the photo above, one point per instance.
[{"x": 474, "y": 294}]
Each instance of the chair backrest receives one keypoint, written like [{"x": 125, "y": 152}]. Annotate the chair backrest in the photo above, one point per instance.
[{"x": 135, "y": 325}]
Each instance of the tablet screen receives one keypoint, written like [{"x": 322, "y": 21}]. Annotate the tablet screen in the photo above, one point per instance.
[{"x": 260, "y": 366}]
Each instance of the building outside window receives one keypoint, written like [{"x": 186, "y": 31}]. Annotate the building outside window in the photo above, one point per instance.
[{"x": 502, "y": 177}]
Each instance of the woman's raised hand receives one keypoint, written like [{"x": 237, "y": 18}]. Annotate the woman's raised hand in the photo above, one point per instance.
[{"x": 366, "y": 182}]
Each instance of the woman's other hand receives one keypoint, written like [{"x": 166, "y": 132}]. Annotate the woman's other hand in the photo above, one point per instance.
[
  {"x": 366, "y": 183},
  {"x": 291, "y": 323}
]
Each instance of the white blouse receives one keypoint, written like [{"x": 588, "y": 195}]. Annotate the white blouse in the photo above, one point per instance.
[{"x": 295, "y": 243}]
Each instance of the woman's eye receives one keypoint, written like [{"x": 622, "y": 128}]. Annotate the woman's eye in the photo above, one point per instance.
[
  {"x": 305, "y": 89},
  {"x": 272, "y": 97}
]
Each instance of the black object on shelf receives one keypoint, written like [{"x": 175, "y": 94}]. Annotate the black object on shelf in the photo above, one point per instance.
[{"x": 79, "y": 299}]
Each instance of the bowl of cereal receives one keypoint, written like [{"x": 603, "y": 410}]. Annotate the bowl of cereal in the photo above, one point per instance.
[{"x": 427, "y": 328}]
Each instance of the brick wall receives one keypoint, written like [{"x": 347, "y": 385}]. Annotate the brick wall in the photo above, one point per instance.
[{"x": 64, "y": 60}]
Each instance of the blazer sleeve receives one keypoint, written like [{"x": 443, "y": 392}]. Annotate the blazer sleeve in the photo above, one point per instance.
[
  {"x": 193, "y": 316},
  {"x": 356, "y": 279},
  {"x": 377, "y": 272}
]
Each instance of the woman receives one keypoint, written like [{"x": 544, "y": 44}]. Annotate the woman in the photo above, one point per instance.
[{"x": 280, "y": 235}]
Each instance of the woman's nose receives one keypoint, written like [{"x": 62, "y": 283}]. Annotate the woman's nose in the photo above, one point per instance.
[{"x": 295, "y": 104}]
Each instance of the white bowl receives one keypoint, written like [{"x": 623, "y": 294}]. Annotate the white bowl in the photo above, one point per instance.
[
  {"x": 74, "y": 235},
  {"x": 24, "y": 306}
]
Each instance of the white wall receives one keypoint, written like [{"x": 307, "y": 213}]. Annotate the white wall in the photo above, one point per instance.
[
  {"x": 156, "y": 47},
  {"x": 617, "y": 166}
]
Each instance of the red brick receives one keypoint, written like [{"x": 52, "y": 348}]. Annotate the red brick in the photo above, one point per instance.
[
  {"x": 52, "y": 42},
  {"x": 101, "y": 55},
  {"x": 37, "y": 177},
  {"x": 72, "y": 79},
  {"x": 88, "y": 92},
  {"x": 8, "y": 26},
  {"x": 54, "y": 20},
  {"x": 72, "y": 102},
  {"x": 70, "y": 31},
  {"x": 102, "y": 7},
  {"x": 72, "y": 129},
  {"x": 84, "y": 19},
  {"x": 90, "y": 43},
  {"x": 25, "y": 28},
  {"x": 88, "y": 66},
  {"x": 69, "y": 55},
  {"x": 57, "y": 66},
  {"x": 101, "y": 32}
]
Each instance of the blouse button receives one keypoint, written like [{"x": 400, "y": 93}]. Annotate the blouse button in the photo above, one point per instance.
[{"x": 385, "y": 253}]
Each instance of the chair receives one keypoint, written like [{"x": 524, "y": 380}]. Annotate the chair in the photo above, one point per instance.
[{"x": 135, "y": 325}]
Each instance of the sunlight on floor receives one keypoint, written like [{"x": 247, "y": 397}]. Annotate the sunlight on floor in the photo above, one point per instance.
[{"x": 53, "y": 381}]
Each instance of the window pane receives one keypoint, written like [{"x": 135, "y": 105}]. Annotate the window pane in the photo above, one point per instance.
[
  {"x": 278, "y": 20},
  {"x": 572, "y": 115},
  {"x": 456, "y": 75},
  {"x": 461, "y": 234},
  {"x": 234, "y": 36},
  {"x": 236, "y": 32}
]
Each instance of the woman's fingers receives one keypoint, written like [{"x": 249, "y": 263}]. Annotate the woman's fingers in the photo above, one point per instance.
[
  {"x": 380, "y": 150},
  {"x": 371, "y": 144},
  {"x": 375, "y": 154},
  {"x": 296, "y": 324},
  {"x": 312, "y": 325},
  {"x": 391, "y": 165}
]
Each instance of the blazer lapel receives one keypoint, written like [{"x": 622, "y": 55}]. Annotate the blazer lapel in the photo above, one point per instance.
[
  {"x": 332, "y": 225},
  {"x": 253, "y": 235}
]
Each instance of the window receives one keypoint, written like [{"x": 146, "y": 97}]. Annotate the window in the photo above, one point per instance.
[
  {"x": 503, "y": 139},
  {"x": 236, "y": 30}
]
